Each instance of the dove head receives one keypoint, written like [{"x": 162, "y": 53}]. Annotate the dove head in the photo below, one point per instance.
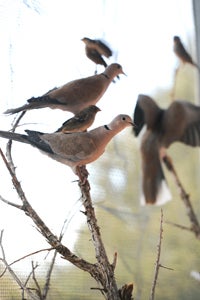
[
  {"x": 93, "y": 108},
  {"x": 120, "y": 122},
  {"x": 113, "y": 70},
  {"x": 86, "y": 40},
  {"x": 176, "y": 38}
]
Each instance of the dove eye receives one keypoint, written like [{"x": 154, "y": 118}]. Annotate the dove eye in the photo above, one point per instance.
[{"x": 123, "y": 118}]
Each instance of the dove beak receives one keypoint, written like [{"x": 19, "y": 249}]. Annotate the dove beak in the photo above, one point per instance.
[
  {"x": 118, "y": 77},
  {"x": 132, "y": 124}
]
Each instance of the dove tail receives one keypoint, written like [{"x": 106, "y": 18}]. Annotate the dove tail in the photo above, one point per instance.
[
  {"x": 33, "y": 139},
  {"x": 14, "y": 136},
  {"x": 154, "y": 183},
  {"x": 34, "y": 103},
  {"x": 18, "y": 109}
]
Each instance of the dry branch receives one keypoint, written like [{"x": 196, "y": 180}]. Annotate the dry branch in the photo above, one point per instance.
[
  {"x": 102, "y": 271},
  {"x": 157, "y": 265},
  {"x": 195, "y": 227},
  {"x": 105, "y": 269},
  {"x": 14, "y": 276},
  {"x": 43, "y": 229}
]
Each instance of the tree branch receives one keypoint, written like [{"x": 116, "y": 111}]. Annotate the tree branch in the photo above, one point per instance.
[
  {"x": 157, "y": 265},
  {"x": 195, "y": 227},
  {"x": 106, "y": 270},
  {"x": 44, "y": 230},
  {"x": 9, "y": 144},
  {"x": 12, "y": 273}
]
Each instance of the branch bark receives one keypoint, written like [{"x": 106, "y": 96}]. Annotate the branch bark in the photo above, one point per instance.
[{"x": 105, "y": 274}]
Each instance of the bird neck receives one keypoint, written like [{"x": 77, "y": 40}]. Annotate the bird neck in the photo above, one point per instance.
[{"x": 105, "y": 75}]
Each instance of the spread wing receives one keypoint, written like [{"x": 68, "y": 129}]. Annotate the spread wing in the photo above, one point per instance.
[
  {"x": 182, "y": 123},
  {"x": 146, "y": 112}
]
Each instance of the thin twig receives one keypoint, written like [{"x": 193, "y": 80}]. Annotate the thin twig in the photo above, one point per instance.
[
  {"x": 157, "y": 265},
  {"x": 9, "y": 144},
  {"x": 195, "y": 227},
  {"x": 9, "y": 202},
  {"x": 30, "y": 254},
  {"x": 164, "y": 267},
  {"x": 12, "y": 273},
  {"x": 179, "y": 226},
  {"x": 114, "y": 260},
  {"x": 38, "y": 289},
  {"x": 48, "y": 276},
  {"x": 25, "y": 256}
]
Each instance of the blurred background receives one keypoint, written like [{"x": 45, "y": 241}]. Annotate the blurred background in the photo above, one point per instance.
[{"x": 41, "y": 48}]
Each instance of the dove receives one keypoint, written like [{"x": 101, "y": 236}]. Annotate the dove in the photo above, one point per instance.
[
  {"x": 81, "y": 121},
  {"x": 180, "y": 122},
  {"x": 181, "y": 52},
  {"x": 74, "y": 95},
  {"x": 95, "y": 49},
  {"x": 76, "y": 149}
]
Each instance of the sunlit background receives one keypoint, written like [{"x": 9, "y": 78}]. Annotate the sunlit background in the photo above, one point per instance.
[{"x": 41, "y": 48}]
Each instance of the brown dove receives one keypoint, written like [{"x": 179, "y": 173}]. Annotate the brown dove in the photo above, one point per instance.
[
  {"x": 81, "y": 121},
  {"x": 75, "y": 149},
  {"x": 180, "y": 122},
  {"x": 95, "y": 49},
  {"x": 74, "y": 95},
  {"x": 181, "y": 52}
]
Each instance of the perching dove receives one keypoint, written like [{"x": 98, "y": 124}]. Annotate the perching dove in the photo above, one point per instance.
[
  {"x": 181, "y": 52},
  {"x": 180, "y": 122},
  {"x": 81, "y": 121},
  {"x": 75, "y": 149},
  {"x": 95, "y": 50},
  {"x": 74, "y": 95}
]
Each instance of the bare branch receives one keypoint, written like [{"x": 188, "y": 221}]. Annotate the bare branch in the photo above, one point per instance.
[
  {"x": 195, "y": 227},
  {"x": 106, "y": 270},
  {"x": 43, "y": 229},
  {"x": 179, "y": 226},
  {"x": 30, "y": 254},
  {"x": 12, "y": 273},
  {"x": 157, "y": 266},
  {"x": 38, "y": 289},
  {"x": 9, "y": 144},
  {"x": 114, "y": 260},
  {"x": 48, "y": 277},
  {"x": 9, "y": 202},
  {"x": 171, "y": 269}
]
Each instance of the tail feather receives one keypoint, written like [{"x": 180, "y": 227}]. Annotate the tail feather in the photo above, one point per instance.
[
  {"x": 34, "y": 103},
  {"x": 154, "y": 183},
  {"x": 14, "y": 136},
  {"x": 33, "y": 139},
  {"x": 17, "y": 110}
]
